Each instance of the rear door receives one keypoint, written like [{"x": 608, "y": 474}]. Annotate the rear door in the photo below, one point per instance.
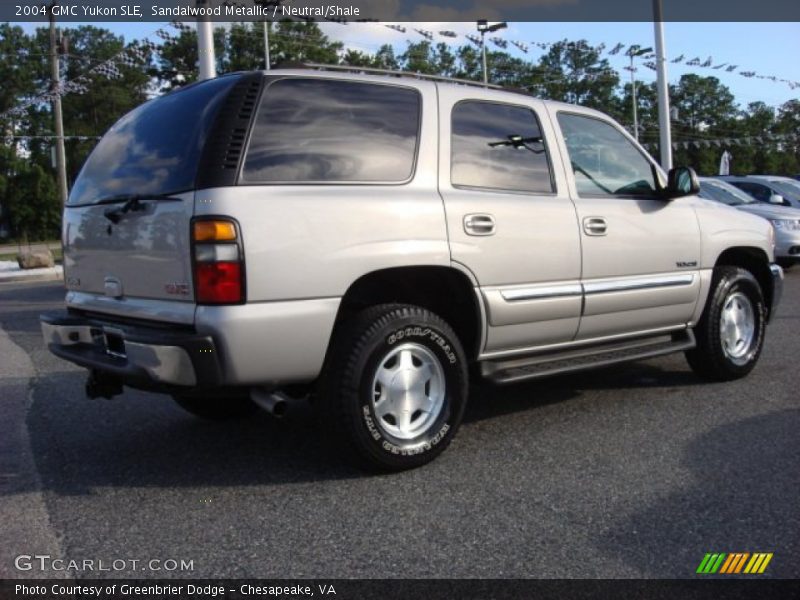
[
  {"x": 640, "y": 252},
  {"x": 120, "y": 253},
  {"x": 509, "y": 217}
]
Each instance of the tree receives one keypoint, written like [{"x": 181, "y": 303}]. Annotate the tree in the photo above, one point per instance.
[
  {"x": 574, "y": 72},
  {"x": 707, "y": 111}
]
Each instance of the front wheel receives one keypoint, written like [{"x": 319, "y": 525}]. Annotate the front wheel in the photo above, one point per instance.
[
  {"x": 730, "y": 334},
  {"x": 395, "y": 387}
]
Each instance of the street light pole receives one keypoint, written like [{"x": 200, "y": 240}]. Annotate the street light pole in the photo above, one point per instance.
[
  {"x": 483, "y": 29},
  {"x": 483, "y": 51},
  {"x": 55, "y": 76}
]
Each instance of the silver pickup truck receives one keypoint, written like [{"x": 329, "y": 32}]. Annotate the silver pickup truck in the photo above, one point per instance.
[{"x": 371, "y": 240}]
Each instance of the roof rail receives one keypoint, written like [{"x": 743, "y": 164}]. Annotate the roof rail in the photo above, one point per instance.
[{"x": 374, "y": 71}]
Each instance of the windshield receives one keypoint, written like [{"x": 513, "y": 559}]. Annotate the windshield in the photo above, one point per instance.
[
  {"x": 155, "y": 148},
  {"x": 724, "y": 192}
]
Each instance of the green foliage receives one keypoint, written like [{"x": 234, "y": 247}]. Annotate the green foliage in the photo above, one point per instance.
[
  {"x": 570, "y": 72},
  {"x": 33, "y": 205}
]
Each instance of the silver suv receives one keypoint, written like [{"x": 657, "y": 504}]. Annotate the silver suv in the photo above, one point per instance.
[{"x": 369, "y": 240}]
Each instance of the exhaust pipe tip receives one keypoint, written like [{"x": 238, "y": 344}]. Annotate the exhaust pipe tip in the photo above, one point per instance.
[{"x": 275, "y": 403}]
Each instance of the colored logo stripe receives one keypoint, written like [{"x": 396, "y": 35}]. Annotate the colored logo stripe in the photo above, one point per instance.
[
  {"x": 758, "y": 563},
  {"x": 734, "y": 562},
  {"x": 710, "y": 563}
]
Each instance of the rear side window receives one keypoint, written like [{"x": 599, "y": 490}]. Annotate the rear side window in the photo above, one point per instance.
[
  {"x": 155, "y": 148},
  {"x": 316, "y": 130},
  {"x": 498, "y": 146}
]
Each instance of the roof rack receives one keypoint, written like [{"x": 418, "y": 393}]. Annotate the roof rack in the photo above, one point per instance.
[{"x": 374, "y": 71}]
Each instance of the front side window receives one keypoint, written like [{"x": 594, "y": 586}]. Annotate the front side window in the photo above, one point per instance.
[
  {"x": 498, "y": 146},
  {"x": 723, "y": 192},
  {"x": 317, "y": 130},
  {"x": 758, "y": 191},
  {"x": 604, "y": 161}
]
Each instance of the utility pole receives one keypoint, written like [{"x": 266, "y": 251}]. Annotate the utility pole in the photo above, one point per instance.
[
  {"x": 55, "y": 76},
  {"x": 633, "y": 52},
  {"x": 665, "y": 133},
  {"x": 205, "y": 45},
  {"x": 266, "y": 45}
]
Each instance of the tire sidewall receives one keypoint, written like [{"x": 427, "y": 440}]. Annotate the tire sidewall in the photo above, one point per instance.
[
  {"x": 738, "y": 281},
  {"x": 442, "y": 343}
]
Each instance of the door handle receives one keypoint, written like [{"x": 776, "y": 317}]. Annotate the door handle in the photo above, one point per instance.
[
  {"x": 479, "y": 224},
  {"x": 595, "y": 226}
]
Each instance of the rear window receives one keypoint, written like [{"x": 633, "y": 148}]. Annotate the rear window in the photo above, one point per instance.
[
  {"x": 155, "y": 148},
  {"x": 316, "y": 130}
]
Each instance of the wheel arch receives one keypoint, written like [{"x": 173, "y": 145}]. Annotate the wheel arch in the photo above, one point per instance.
[
  {"x": 446, "y": 291},
  {"x": 753, "y": 260}
]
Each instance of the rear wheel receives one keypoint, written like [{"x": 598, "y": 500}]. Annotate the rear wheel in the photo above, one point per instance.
[
  {"x": 730, "y": 334},
  {"x": 395, "y": 388},
  {"x": 216, "y": 408}
]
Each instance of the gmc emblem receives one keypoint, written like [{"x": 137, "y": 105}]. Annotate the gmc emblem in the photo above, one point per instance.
[{"x": 177, "y": 289}]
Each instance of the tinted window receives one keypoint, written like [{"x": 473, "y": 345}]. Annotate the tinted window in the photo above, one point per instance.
[
  {"x": 787, "y": 189},
  {"x": 498, "y": 146},
  {"x": 758, "y": 191},
  {"x": 310, "y": 130},
  {"x": 725, "y": 193},
  {"x": 155, "y": 148},
  {"x": 604, "y": 161}
]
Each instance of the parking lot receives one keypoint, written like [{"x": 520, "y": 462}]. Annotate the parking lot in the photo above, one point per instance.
[{"x": 633, "y": 471}]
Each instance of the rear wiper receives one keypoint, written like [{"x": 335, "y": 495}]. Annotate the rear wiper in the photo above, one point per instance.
[{"x": 132, "y": 202}]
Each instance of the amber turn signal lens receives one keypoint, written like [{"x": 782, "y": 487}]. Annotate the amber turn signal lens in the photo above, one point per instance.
[{"x": 214, "y": 231}]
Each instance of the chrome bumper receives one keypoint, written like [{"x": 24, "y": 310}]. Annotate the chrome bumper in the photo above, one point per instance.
[
  {"x": 138, "y": 355},
  {"x": 777, "y": 287}
]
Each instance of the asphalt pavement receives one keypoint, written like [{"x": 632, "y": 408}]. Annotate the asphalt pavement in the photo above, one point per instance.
[{"x": 631, "y": 471}]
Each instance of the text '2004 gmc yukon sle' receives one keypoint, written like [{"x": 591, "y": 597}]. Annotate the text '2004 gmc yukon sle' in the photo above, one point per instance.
[{"x": 369, "y": 240}]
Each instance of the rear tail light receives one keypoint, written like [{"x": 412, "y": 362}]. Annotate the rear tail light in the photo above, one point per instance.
[{"x": 218, "y": 262}]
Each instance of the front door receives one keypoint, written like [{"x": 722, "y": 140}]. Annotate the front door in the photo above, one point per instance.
[{"x": 640, "y": 252}]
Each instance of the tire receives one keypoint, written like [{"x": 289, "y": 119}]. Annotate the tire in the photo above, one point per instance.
[
  {"x": 785, "y": 263},
  {"x": 216, "y": 408},
  {"x": 730, "y": 333},
  {"x": 395, "y": 387}
]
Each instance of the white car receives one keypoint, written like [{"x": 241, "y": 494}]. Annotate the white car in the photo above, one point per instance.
[
  {"x": 784, "y": 219},
  {"x": 772, "y": 189}
]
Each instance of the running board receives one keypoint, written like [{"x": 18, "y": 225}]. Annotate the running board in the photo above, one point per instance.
[{"x": 600, "y": 355}]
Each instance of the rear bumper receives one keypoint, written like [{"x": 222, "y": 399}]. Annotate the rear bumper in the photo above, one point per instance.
[
  {"x": 777, "y": 287},
  {"x": 140, "y": 356}
]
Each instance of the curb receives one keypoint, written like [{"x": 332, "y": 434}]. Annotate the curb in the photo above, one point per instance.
[{"x": 50, "y": 276}]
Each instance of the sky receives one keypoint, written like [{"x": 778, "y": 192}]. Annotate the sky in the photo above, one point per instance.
[{"x": 766, "y": 48}]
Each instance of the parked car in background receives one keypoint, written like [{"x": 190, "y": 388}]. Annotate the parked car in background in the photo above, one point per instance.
[
  {"x": 772, "y": 189},
  {"x": 785, "y": 220}
]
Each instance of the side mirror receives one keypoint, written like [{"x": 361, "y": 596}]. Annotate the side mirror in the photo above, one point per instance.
[
  {"x": 776, "y": 199},
  {"x": 681, "y": 181}
]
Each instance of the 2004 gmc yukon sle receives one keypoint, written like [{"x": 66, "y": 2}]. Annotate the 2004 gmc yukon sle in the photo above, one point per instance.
[{"x": 369, "y": 239}]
